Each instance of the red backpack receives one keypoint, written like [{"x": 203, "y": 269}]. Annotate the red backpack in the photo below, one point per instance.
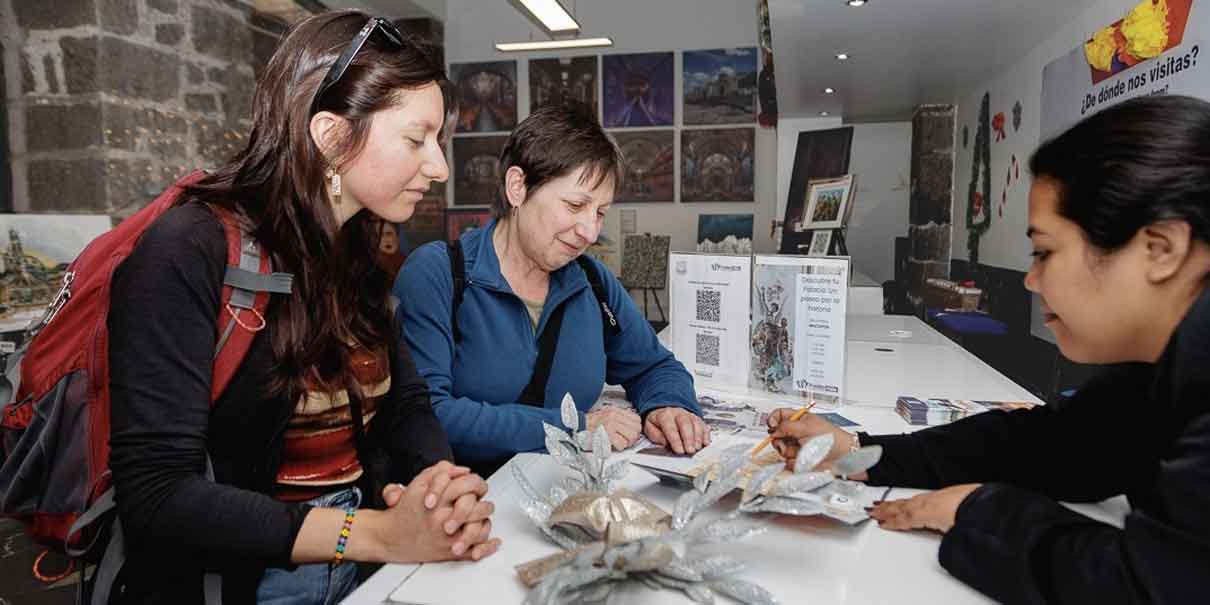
[{"x": 54, "y": 433}]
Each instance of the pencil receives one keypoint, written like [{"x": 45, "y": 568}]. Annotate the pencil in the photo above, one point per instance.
[{"x": 796, "y": 416}]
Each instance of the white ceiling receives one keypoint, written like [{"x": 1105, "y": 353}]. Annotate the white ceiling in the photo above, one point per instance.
[{"x": 903, "y": 53}]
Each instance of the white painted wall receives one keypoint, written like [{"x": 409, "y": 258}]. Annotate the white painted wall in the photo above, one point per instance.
[
  {"x": 1004, "y": 244},
  {"x": 881, "y": 159}
]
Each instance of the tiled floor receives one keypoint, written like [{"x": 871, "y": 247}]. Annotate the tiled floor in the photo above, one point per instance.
[{"x": 17, "y": 583}]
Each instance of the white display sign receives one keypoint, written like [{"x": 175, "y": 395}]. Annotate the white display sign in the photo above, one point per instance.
[
  {"x": 709, "y": 300},
  {"x": 819, "y": 334}
]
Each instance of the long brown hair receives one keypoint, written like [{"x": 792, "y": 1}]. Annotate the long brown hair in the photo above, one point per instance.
[{"x": 277, "y": 183}]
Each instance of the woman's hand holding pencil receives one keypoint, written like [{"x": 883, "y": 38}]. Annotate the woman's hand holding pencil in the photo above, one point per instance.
[{"x": 790, "y": 428}]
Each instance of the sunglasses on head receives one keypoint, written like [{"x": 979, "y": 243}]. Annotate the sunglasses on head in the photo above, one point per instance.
[{"x": 346, "y": 57}]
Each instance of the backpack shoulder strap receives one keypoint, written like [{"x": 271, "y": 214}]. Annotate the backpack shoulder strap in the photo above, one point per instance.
[
  {"x": 248, "y": 281},
  {"x": 458, "y": 273},
  {"x": 609, "y": 321}
]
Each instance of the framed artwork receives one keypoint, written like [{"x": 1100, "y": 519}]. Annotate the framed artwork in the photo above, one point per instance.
[
  {"x": 553, "y": 81},
  {"x": 649, "y": 159},
  {"x": 719, "y": 86},
  {"x": 645, "y": 261},
  {"x": 819, "y": 154},
  {"x": 477, "y": 174},
  {"x": 37, "y": 249},
  {"x": 821, "y": 242},
  {"x": 461, "y": 220},
  {"x": 638, "y": 89},
  {"x": 717, "y": 165},
  {"x": 724, "y": 233},
  {"x": 487, "y": 94},
  {"x": 828, "y": 203}
]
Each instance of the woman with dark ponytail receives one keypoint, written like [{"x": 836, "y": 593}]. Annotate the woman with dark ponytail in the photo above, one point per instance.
[
  {"x": 1119, "y": 217},
  {"x": 326, "y": 418}
]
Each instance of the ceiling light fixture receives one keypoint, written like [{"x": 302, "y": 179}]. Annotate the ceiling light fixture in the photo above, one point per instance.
[
  {"x": 549, "y": 15},
  {"x": 856, "y": 2},
  {"x": 842, "y": 56},
  {"x": 829, "y": 90},
  {"x": 824, "y": 114},
  {"x": 553, "y": 44}
]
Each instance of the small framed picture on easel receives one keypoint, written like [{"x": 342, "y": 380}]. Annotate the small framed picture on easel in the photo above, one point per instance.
[
  {"x": 828, "y": 202},
  {"x": 821, "y": 243}
]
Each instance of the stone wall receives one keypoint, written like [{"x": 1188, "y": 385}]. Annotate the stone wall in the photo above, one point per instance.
[
  {"x": 114, "y": 99},
  {"x": 932, "y": 196}
]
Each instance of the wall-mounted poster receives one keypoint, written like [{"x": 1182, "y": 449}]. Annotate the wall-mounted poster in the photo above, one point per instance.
[
  {"x": 461, "y": 220},
  {"x": 35, "y": 250},
  {"x": 487, "y": 95},
  {"x": 649, "y": 157},
  {"x": 1153, "y": 48},
  {"x": 553, "y": 81},
  {"x": 717, "y": 165},
  {"x": 477, "y": 174},
  {"x": 638, "y": 89},
  {"x": 720, "y": 86},
  {"x": 724, "y": 233}
]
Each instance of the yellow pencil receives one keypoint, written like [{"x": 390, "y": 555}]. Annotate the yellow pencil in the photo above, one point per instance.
[{"x": 795, "y": 416}]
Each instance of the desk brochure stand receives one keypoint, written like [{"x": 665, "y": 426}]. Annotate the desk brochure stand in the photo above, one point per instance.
[{"x": 773, "y": 323}]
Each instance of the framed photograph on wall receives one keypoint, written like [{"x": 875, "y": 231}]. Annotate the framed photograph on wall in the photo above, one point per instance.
[
  {"x": 827, "y": 203},
  {"x": 638, "y": 89},
  {"x": 719, "y": 86},
  {"x": 487, "y": 95},
  {"x": 553, "y": 81},
  {"x": 476, "y": 169},
  {"x": 717, "y": 165},
  {"x": 649, "y": 161},
  {"x": 821, "y": 242}
]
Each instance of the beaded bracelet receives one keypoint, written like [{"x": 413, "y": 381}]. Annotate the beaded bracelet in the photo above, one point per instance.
[{"x": 345, "y": 529}]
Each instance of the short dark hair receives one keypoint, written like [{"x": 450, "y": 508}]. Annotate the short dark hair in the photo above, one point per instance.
[
  {"x": 554, "y": 141},
  {"x": 1131, "y": 165}
]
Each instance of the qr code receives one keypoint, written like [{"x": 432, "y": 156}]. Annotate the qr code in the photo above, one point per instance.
[
  {"x": 707, "y": 350},
  {"x": 708, "y": 303}
]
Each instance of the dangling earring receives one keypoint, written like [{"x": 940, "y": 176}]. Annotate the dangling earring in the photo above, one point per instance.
[{"x": 334, "y": 184}]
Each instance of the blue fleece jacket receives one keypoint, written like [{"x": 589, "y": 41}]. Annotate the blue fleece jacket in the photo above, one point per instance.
[{"x": 474, "y": 385}]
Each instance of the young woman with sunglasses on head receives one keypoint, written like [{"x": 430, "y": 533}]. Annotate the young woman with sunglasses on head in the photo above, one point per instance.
[
  {"x": 1119, "y": 218},
  {"x": 326, "y": 408}
]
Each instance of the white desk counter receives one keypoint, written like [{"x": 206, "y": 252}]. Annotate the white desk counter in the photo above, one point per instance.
[{"x": 800, "y": 560}]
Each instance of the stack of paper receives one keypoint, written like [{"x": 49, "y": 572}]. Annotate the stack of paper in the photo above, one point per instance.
[{"x": 932, "y": 412}]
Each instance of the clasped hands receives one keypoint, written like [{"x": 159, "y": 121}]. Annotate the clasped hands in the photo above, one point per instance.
[{"x": 440, "y": 515}]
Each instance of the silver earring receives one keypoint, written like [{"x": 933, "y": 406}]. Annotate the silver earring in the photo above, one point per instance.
[{"x": 334, "y": 184}]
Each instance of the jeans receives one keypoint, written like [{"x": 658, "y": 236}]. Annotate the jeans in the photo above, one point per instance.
[{"x": 315, "y": 583}]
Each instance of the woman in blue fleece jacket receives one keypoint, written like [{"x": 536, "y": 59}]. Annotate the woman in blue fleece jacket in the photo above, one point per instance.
[{"x": 561, "y": 170}]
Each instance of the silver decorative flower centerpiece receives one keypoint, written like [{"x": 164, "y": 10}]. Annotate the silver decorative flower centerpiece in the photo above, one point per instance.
[
  {"x": 808, "y": 491},
  {"x": 611, "y": 536}
]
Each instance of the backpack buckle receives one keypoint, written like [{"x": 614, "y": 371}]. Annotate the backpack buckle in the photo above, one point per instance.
[{"x": 54, "y": 306}]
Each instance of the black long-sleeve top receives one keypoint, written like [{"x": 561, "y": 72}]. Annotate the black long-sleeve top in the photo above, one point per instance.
[
  {"x": 162, "y": 328},
  {"x": 1142, "y": 431}
]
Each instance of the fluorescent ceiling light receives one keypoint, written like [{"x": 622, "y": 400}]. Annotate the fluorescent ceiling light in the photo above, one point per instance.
[
  {"x": 842, "y": 56},
  {"x": 550, "y": 15},
  {"x": 829, "y": 90},
  {"x": 554, "y": 44}
]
